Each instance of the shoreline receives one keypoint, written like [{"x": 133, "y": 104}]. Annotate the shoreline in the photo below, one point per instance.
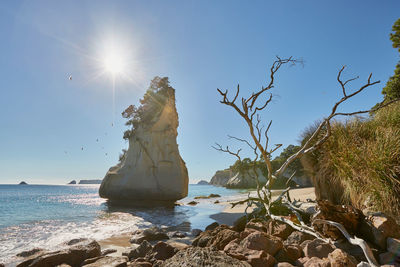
[{"x": 227, "y": 216}]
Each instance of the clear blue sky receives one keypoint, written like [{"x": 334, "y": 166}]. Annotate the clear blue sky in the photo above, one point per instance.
[{"x": 46, "y": 118}]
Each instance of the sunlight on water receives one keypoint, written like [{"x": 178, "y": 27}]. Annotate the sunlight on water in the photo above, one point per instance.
[{"x": 48, "y": 215}]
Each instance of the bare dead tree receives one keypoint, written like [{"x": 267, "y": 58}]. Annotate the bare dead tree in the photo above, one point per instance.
[{"x": 249, "y": 107}]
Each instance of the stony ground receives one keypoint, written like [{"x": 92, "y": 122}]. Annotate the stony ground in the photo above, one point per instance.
[{"x": 259, "y": 242}]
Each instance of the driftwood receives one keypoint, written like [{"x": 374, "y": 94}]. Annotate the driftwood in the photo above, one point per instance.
[
  {"x": 354, "y": 241},
  {"x": 249, "y": 108}
]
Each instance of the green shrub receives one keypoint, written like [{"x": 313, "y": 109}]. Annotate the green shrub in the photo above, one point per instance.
[{"x": 360, "y": 162}]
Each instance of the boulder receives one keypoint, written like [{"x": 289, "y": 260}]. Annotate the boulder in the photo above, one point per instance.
[
  {"x": 196, "y": 256},
  {"x": 317, "y": 248},
  {"x": 219, "y": 237},
  {"x": 377, "y": 227},
  {"x": 196, "y": 232},
  {"x": 177, "y": 234},
  {"x": 258, "y": 224},
  {"x": 161, "y": 251},
  {"x": 108, "y": 251},
  {"x": 109, "y": 262},
  {"x": 212, "y": 226},
  {"x": 152, "y": 168},
  {"x": 73, "y": 255},
  {"x": 297, "y": 237},
  {"x": 193, "y": 203},
  {"x": 279, "y": 229},
  {"x": 317, "y": 262},
  {"x": 289, "y": 253},
  {"x": 262, "y": 241},
  {"x": 140, "y": 251},
  {"x": 339, "y": 258},
  {"x": 393, "y": 245},
  {"x": 261, "y": 259},
  {"x": 150, "y": 234},
  {"x": 207, "y": 197},
  {"x": 389, "y": 258}
]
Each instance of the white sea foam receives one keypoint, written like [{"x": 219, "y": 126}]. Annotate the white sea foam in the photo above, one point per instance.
[{"x": 52, "y": 234}]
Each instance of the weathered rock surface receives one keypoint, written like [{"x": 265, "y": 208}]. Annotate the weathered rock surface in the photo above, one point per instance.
[
  {"x": 220, "y": 178},
  {"x": 296, "y": 238},
  {"x": 73, "y": 255},
  {"x": 140, "y": 251},
  {"x": 161, "y": 251},
  {"x": 378, "y": 227},
  {"x": 340, "y": 258},
  {"x": 317, "y": 248},
  {"x": 152, "y": 169},
  {"x": 218, "y": 238},
  {"x": 246, "y": 180},
  {"x": 196, "y": 256},
  {"x": 150, "y": 234},
  {"x": 109, "y": 262}
]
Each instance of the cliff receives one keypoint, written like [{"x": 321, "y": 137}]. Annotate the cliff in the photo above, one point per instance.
[
  {"x": 246, "y": 180},
  {"x": 220, "y": 178},
  {"x": 152, "y": 168}
]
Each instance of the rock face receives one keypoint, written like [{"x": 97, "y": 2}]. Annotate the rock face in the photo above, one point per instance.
[
  {"x": 195, "y": 256},
  {"x": 245, "y": 180},
  {"x": 220, "y": 178},
  {"x": 152, "y": 168}
]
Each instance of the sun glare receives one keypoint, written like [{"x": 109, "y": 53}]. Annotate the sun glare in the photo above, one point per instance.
[{"x": 114, "y": 62}]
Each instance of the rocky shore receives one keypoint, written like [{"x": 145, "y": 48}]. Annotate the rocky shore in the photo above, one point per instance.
[{"x": 252, "y": 242}]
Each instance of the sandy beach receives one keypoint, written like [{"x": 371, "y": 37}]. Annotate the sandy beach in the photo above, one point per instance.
[{"x": 227, "y": 216}]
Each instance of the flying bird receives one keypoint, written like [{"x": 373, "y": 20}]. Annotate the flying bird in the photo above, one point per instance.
[
  {"x": 70, "y": 78},
  {"x": 82, "y": 148}
]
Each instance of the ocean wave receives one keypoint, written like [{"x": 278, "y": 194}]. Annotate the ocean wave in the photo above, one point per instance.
[{"x": 51, "y": 234}]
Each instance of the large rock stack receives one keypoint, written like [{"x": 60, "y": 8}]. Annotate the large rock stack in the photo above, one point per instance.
[{"x": 152, "y": 169}]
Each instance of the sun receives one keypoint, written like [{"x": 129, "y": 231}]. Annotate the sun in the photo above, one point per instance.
[{"x": 113, "y": 61}]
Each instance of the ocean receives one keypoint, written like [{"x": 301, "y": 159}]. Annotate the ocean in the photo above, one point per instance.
[{"x": 46, "y": 216}]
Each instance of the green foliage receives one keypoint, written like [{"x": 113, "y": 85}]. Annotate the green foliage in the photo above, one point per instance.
[
  {"x": 247, "y": 164},
  {"x": 360, "y": 162},
  {"x": 286, "y": 153},
  {"x": 150, "y": 107},
  {"x": 392, "y": 89}
]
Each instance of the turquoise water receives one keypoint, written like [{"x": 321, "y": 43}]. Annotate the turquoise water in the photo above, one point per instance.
[{"x": 48, "y": 215}]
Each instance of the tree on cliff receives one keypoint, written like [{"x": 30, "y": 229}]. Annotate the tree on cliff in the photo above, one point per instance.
[
  {"x": 150, "y": 105},
  {"x": 392, "y": 88}
]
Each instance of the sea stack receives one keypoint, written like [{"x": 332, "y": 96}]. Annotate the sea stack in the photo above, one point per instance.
[{"x": 151, "y": 169}]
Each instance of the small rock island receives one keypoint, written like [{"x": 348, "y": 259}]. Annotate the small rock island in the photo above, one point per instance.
[
  {"x": 23, "y": 183},
  {"x": 151, "y": 169}
]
